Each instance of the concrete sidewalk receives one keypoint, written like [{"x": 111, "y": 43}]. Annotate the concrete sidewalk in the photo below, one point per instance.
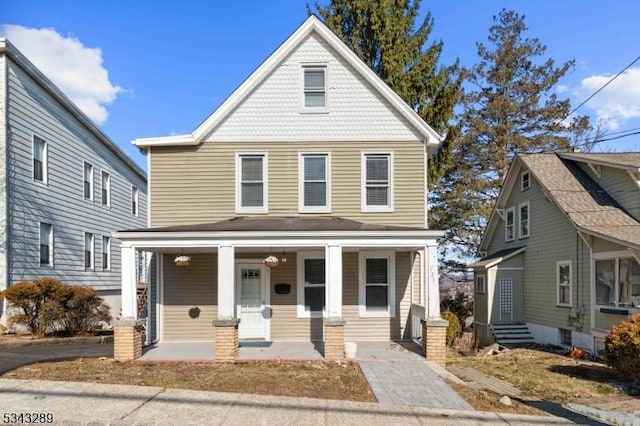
[{"x": 75, "y": 403}]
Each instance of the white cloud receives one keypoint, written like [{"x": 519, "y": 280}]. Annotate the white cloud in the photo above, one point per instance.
[
  {"x": 561, "y": 88},
  {"x": 77, "y": 70},
  {"x": 615, "y": 104}
]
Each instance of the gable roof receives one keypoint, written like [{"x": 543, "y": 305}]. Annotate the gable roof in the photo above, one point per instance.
[
  {"x": 585, "y": 203},
  {"x": 7, "y": 48},
  {"x": 311, "y": 25}
]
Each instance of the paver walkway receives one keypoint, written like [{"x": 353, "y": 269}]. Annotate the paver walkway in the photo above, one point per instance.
[{"x": 410, "y": 383}]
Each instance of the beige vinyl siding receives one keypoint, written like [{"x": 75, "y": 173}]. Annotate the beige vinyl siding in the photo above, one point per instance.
[
  {"x": 604, "y": 321},
  {"x": 416, "y": 297},
  {"x": 193, "y": 185},
  {"x": 357, "y": 328},
  {"x": 187, "y": 290}
]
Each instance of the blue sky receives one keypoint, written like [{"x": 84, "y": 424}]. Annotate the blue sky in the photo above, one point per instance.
[{"x": 147, "y": 68}]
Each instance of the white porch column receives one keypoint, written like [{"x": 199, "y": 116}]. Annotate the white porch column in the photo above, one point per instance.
[
  {"x": 226, "y": 282},
  {"x": 333, "y": 273},
  {"x": 432, "y": 282},
  {"x": 128, "y": 276}
]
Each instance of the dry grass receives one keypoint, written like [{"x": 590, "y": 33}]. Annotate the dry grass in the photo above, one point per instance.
[
  {"x": 489, "y": 401},
  {"x": 544, "y": 375},
  {"x": 342, "y": 381}
]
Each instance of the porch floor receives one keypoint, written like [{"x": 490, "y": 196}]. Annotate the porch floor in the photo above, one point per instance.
[{"x": 304, "y": 350}]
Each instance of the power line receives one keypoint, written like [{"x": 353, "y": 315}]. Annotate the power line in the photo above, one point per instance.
[{"x": 602, "y": 88}]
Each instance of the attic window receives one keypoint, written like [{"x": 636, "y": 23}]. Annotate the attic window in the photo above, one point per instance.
[
  {"x": 525, "y": 181},
  {"x": 315, "y": 87}
]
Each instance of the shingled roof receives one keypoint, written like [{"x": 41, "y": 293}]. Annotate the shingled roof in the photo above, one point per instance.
[
  {"x": 587, "y": 205},
  {"x": 627, "y": 160}
]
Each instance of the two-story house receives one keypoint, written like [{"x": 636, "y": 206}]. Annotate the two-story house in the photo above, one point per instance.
[
  {"x": 65, "y": 187},
  {"x": 313, "y": 162},
  {"x": 562, "y": 250}
]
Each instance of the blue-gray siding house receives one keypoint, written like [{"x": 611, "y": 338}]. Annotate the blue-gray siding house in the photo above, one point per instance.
[{"x": 65, "y": 187}]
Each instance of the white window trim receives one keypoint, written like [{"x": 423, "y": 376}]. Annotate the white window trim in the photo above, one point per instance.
[
  {"x": 93, "y": 251},
  {"x": 615, "y": 256},
  {"x": 106, "y": 250},
  {"x": 506, "y": 223},
  {"x": 265, "y": 183},
  {"x": 484, "y": 284},
  {"x": 135, "y": 191},
  {"x": 108, "y": 188},
  {"x": 558, "y": 264},
  {"x": 520, "y": 235},
  {"x": 522, "y": 175},
  {"x": 45, "y": 160},
  {"x": 390, "y": 255},
  {"x": 314, "y": 209},
  {"x": 314, "y": 110},
  {"x": 363, "y": 183},
  {"x": 50, "y": 264},
  {"x": 92, "y": 182},
  {"x": 300, "y": 258}
]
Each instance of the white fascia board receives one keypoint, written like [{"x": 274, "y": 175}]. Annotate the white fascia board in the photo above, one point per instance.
[
  {"x": 598, "y": 162},
  {"x": 165, "y": 141},
  {"x": 432, "y": 138},
  {"x": 317, "y": 235},
  {"x": 607, "y": 237}
]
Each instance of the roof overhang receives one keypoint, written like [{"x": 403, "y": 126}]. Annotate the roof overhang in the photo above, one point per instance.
[
  {"x": 312, "y": 24},
  {"x": 392, "y": 238},
  {"x": 490, "y": 262},
  {"x": 596, "y": 234},
  {"x": 30, "y": 69}
]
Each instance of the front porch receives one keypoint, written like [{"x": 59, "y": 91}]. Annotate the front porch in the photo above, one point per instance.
[
  {"x": 336, "y": 280},
  {"x": 306, "y": 351}
]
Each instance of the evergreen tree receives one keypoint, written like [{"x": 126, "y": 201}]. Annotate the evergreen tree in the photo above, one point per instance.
[
  {"x": 383, "y": 34},
  {"x": 510, "y": 106}
]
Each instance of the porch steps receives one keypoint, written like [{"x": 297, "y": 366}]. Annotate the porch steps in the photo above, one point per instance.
[{"x": 511, "y": 335}]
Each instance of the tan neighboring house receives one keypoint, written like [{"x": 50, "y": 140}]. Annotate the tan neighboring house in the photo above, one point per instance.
[
  {"x": 561, "y": 250},
  {"x": 313, "y": 161}
]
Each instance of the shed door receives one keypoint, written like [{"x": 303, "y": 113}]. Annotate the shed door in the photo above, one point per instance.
[{"x": 506, "y": 299}]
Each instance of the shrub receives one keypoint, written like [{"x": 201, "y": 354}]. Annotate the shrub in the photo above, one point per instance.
[
  {"x": 453, "y": 329},
  {"x": 461, "y": 304},
  {"x": 622, "y": 349},
  {"x": 48, "y": 305}
]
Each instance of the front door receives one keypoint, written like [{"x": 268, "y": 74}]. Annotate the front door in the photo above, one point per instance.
[{"x": 251, "y": 300}]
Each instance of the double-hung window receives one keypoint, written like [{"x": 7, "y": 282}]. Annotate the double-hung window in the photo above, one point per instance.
[
  {"x": 315, "y": 87},
  {"x": 311, "y": 285},
  {"x": 251, "y": 183},
  {"x": 377, "y": 182},
  {"x": 88, "y": 181},
  {"x": 135, "y": 206},
  {"x": 377, "y": 284},
  {"x": 523, "y": 218},
  {"x": 618, "y": 282},
  {"x": 563, "y": 280},
  {"x": 46, "y": 244},
  {"x": 314, "y": 183},
  {"x": 106, "y": 253},
  {"x": 106, "y": 189},
  {"x": 88, "y": 250},
  {"x": 509, "y": 224},
  {"x": 39, "y": 160}
]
